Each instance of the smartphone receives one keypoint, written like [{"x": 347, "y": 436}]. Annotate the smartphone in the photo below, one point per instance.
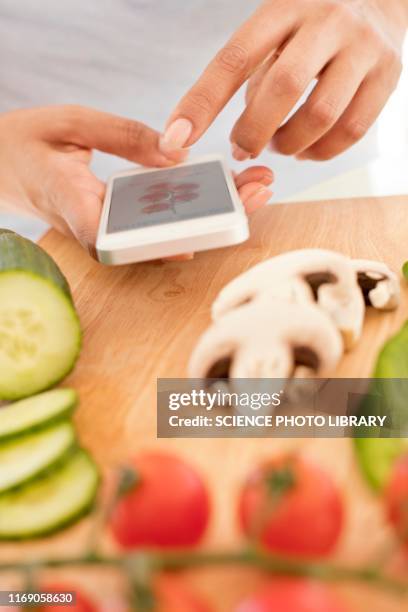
[{"x": 155, "y": 213}]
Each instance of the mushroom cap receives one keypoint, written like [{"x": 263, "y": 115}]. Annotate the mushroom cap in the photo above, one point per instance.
[
  {"x": 307, "y": 275},
  {"x": 379, "y": 284},
  {"x": 268, "y": 338}
]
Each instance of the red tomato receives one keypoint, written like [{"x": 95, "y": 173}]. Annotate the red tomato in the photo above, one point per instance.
[
  {"x": 82, "y": 603},
  {"x": 397, "y": 498},
  {"x": 292, "y": 595},
  {"x": 173, "y": 596},
  {"x": 168, "y": 506},
  {"x": 293, "y": 507}
]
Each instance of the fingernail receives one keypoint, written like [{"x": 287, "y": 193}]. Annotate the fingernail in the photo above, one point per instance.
[
  {"x": 238, "y": 153},
  {"x": 176, "y": 135},
  {"x": 267, "y": 179},
  {"x": 252, "y": 189},
  {"x": 258, "y": 200}
]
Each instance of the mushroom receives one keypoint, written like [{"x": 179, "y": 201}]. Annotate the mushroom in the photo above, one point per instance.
[
  {"x": 268, "y": 338},
  {"x": 378, "y": 283},
  {"x": 305, "y": 276}
]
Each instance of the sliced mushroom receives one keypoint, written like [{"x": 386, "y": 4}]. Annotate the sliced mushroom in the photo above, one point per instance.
[
  {"x": 378, "y": 283},
  {"x": 309, "y": 275},
  {"x": 268, "y": 338}
]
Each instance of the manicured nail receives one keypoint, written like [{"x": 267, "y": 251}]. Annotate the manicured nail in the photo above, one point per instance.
[
  {"x": 258, "y": 200},
  {"x": 267, "y": 179},
  {"x": 176, "y": 135},
  {"x": 238, "y": 153}
]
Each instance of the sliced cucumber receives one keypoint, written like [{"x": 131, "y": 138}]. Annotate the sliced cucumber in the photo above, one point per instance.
[
  {"x": 40, "y": 335},
  {"x": 377, "y": 456},
  {"x": 49, "y": 504},
  {"x": 36, "y": 412},
  {"x": 29, "y": 456}
]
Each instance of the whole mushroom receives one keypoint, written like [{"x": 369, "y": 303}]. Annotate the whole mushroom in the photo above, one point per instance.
[
  {"x": 316, "y": 276},
  {"x": 268, "y": 338}
]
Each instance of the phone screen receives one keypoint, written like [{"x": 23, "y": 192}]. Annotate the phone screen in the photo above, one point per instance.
[{"x": 174, "y": 194}]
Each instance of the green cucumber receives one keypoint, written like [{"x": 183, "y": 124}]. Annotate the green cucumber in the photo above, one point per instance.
[
  {"x": 40, "y": 334},
  {"x": 29, "y": 456},
  {"x": 36, "y": 412},
  {"x": 18, "y": 253},
  {"x": 47, "y": 505},
  {"x": 376, "y": 457}
]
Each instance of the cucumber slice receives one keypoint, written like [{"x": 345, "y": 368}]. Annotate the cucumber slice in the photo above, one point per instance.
[
  {"x": 377, "y": 456},
  {"x": 29, "y": 456},
  {"x": 40, "y": 335},
  {"x": 36, "y": 412},
  {"x": 49, "y": 504}
]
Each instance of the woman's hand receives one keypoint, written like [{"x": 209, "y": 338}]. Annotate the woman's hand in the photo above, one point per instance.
[
  {"x": 44, "y": 165},
  {"x": 353, "y": 48}
]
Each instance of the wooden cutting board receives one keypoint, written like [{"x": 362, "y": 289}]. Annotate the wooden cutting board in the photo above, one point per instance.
[{"x": 141, "y": 322}]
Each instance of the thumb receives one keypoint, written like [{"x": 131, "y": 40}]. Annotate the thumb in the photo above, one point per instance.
[
  {"x": 116, "y": 135},
  {"x": 81, "y": 211}
]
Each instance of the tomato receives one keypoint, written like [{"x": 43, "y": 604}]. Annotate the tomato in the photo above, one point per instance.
[
  {"x": 293, "y": 507},
  {"x": 292, "y": 595},
  {"x": 172, "y": 595},
  {"x": 167, "y": 507},
  {"x": 397, "y": 498},
  {"x": 82, "y": 602}
]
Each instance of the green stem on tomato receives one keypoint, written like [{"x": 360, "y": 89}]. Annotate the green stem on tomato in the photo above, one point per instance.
[{"x": 175, "y": 561}]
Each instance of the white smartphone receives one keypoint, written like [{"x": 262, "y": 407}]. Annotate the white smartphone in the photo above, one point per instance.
[{"x": 154, "y": 213}]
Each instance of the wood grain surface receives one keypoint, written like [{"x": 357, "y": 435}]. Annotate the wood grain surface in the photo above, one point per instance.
[{"x": 141, "y": 322}]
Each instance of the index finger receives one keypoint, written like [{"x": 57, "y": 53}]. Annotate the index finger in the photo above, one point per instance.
[
  {"x": 105, "y": 132},
  {"x": 251, "y": 44}
]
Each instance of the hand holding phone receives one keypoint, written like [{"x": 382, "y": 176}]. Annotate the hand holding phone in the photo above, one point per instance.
[{"x": 156, "y": 213}]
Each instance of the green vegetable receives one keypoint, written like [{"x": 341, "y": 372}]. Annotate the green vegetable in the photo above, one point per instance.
[
  {"x": 388, "y": 395},
  {"x": 29, "y": 456},
  {"x": 40, "y": 335},
  {"x": 49, "y": 504},
  {"x": 36, "y": 412},
  {"x": 405, "y": 270},
  {"x": 392, "y": 361},
  {"x": 391, "y": 374}
]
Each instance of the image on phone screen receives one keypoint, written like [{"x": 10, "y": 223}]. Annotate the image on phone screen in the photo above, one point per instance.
[{"x": 175, "y": 194}]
